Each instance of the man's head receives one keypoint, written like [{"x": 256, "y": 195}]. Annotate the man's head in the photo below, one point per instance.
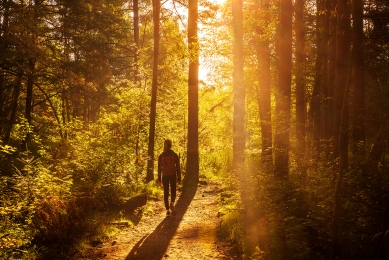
[{"x": 167, "y": 145}]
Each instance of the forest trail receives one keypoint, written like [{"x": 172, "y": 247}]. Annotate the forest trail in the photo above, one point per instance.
[{"x": 191, "y": 234}]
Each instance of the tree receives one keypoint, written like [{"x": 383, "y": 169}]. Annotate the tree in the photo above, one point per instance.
[
  {"x": 263, "y": 53},
  {"x": 192, "y": 163},
  {"x": 341, "y": 113},
  {"x": 328, "y": 113},
  {"x": 358, "y": 68},
  {"x": 137, "y": 42},
  {"x": 283, "y": 94},
  {"x": 153, "y": 106},
  {"x": 238, "y": 88},
  {"x": 320, "y": 73},
  {"x": 300, "y": 85}
]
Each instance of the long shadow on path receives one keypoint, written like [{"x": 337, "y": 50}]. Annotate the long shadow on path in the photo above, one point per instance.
[{"x": 155, "y": 245}]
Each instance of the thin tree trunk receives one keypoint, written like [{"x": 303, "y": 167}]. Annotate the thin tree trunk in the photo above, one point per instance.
[
  {"x": 343, "y": 164},
  {"x": 154, "y": 87},
  {"x": 137, "y": 82},
  {"x": 283, "y": 97},
  {"x": 263, "y": 52},
  {"x": 341, "y": 115},
  {"x": 300, "y": 86},
  {"x": 238, "y": 87},
  {"x": 64, "y": 116},
  {"x": 329, "y": 115},
  {"x": 192, "y": 163},
  {"x": 315, "y": 112},
  {"x": 137, "y": 42},
  {"x": 4, "y": 33},
  {"x": 15, "y": 99},
  {"x": 358, "y": 76},
  {"x": 29, "y": 93},
  {"x": 342, "y": 62}
]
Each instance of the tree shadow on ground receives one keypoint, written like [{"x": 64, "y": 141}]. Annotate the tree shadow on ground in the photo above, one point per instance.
[{"x": 155, "y": 245}]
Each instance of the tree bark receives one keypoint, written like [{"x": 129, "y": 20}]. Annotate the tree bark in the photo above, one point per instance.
[
  {"x": 154, "y": 87},
  {"x": 238, "y": 87},
  {"x": 137, "y": 42},
  {"x": 315, "y": 112},
  {"x": 192, "y": 162},
  {"x": 328, "y": 116},
  {"x": 263, "y": 52},
  {"x": 358, "y": 76},
  {"x": 341, "y": 68},
  {"x": 300, "y": 86},
  {"x": 28, "y": 110},
  {"x": 341, "y": 114},
  {"x": 283, "y": 95},
  {"x": 137, "y": 82},
  {"x": 15, "y": 99}
]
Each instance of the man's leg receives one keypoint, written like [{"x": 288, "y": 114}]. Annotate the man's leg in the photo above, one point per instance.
[
  {"x": 165, "y": 182},
  {"x": 173, "y": 188},
  {"x": 173, "y": 194}
]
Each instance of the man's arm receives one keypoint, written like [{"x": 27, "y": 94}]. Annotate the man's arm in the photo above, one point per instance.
[
  {"x": 178, "y": 168},
  {"x": 159, "y": 169}
]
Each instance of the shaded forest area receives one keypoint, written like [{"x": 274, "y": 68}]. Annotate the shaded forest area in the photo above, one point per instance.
[{"x": 283, "y": 102}]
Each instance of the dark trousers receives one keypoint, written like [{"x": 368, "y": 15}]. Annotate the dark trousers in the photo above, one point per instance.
[{"x": 169, "y": 181}]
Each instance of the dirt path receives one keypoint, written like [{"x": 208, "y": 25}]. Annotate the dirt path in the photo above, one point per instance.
[{"x": 191, "y": 234}]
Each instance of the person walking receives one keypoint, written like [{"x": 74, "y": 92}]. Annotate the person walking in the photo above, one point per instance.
[{"x": 169, "y": 173}]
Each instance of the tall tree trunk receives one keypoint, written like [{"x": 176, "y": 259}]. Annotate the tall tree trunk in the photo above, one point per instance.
[
  {"x": 341, "y": 114},
  {"x": 238, "y": 87},
  {"x": 28, "y": 112},
  {"x": 3, "y": 34},
  {"x": 154, "y": 87},
  {"x": 343, "y": 164},
  {"x": 358, "y": 75},
  {"x": 137, "y": 81},
  {"x": 328, "y": 116},
  {"x": 263, "y": 52},
  {"x": 15, "y": 99},
  {"x": 341, "y": 68},
  {"x": 137, "y": 42},
  {"x": 300, "y": 86},
  {"x": 283, "y": 104},
  {"x": 283, "y": 96},
  {"x": 2, "y": 99},
  {"x": 315, "y": 112},
  {"x": 192, "y": 163},
  {"x": 64, "y": 134}
]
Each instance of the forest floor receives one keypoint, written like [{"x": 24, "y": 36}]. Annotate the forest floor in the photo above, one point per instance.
[{"x": 191, "y": 234}]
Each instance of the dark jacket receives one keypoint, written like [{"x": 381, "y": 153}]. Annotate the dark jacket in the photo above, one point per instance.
[{"x": 168, "y": 164}]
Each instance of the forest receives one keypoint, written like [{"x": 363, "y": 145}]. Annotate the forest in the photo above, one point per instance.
[{"x": 284, "y": 102}]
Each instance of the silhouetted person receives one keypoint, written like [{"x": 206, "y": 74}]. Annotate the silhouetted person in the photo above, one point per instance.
[{"x": 168, "y": 173}]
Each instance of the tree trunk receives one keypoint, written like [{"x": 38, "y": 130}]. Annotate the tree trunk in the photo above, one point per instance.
[
  {"x": 328, "y": 116},
  {"x": 137, "y": 83},
  {"x": 315, "y": 113},
  {"x": 192, "y": 163},
  {"x": 283, "y": 96},
  {"x": 341, "y": 114},
  {"x": 137, "y": 42},
  {"x": 154, "y": 87},
  {"x": 64, "y": 134},
  {"x": 28, "y": 112},
  {"x": 300, "y": 86},
  {"x": 341, "y": 68},
  {"x": 263, "y": 52},
  {"x": 238, "y": 88},
  {"x": 358, "y": 76},
  {"x": 15, "y": 99}
]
